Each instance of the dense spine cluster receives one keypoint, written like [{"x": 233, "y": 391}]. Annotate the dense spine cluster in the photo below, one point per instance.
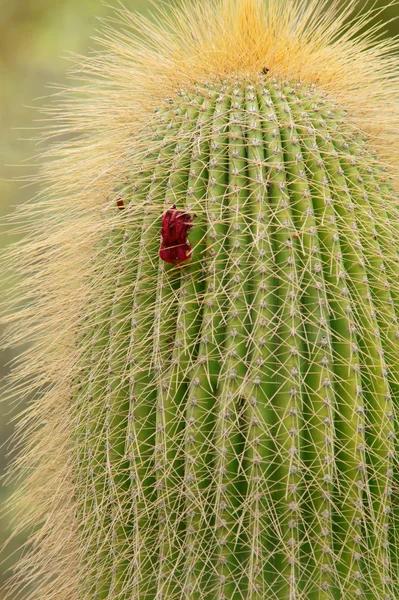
[{"x": 236, "y": 415}]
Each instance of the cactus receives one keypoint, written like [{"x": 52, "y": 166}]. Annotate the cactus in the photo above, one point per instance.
[{"x": 213, "y": 309}]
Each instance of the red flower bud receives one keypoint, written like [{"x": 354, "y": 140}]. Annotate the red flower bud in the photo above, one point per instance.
[{"x": 175, "y": 248}]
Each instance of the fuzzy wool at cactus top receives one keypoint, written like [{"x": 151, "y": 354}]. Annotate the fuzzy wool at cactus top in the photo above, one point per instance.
[{"x": 225, "y": 428}]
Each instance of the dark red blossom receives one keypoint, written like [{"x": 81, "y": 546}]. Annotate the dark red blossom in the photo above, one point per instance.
[{"x": 175, "y": 248}]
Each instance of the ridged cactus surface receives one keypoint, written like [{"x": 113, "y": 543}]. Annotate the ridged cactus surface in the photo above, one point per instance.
[
  {"x": 235, "y": 412},
  {"x": 210, "y": 292}
]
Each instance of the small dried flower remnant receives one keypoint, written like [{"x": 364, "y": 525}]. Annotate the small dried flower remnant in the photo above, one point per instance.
[
  {"x": 175, "y": 248},
  {"x": 120, "y": 204}
]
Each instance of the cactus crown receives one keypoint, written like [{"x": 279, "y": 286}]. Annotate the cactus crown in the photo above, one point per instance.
[{"x": 223, "y": 427}]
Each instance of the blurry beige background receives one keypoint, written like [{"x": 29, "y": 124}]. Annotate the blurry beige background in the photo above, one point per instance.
[{"x": 34, "y": 36}]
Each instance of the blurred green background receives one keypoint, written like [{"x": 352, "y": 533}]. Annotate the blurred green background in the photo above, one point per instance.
[{"x": 35, "y": 38}]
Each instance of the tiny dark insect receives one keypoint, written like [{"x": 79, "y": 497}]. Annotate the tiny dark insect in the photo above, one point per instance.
[
  {"x": 119, "y": 203},
  {"x": 175, "y": 248},
  {"x": 265, "y": 70}
]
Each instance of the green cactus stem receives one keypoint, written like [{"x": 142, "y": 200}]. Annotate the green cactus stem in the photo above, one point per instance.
[{"x": 258, "y": 424}]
